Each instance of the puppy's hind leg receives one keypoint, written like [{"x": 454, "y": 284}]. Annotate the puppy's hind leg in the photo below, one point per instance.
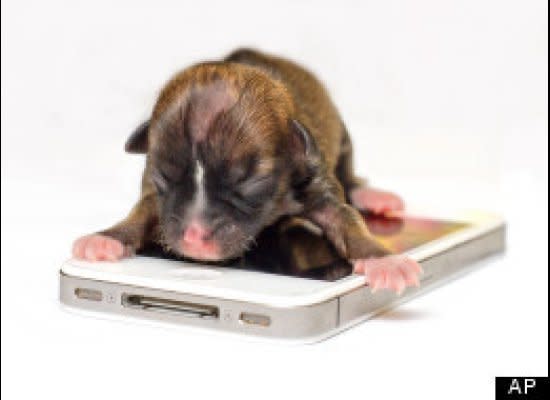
[
  {"x": 376, "y": 201},
  {"x": 358, "y": 193}
]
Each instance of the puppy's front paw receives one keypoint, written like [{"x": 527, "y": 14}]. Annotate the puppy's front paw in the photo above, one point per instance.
[
  {"x": 390, "y": 272},
  {"x": 99, "y": 248},
  {"x": 376, "y": 201}
]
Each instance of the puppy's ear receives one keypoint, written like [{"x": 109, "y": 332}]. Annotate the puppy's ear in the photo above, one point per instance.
[
  {"x": 304, "y": 153},
  {"x": 138, "y": 142},
  {"x": 301, "y": 140}
]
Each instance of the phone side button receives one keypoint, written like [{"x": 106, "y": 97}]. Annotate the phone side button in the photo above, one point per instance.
[{"x": 254, "y": 319}]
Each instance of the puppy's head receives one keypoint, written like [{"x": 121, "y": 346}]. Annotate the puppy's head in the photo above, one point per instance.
[{"x": 224, "y": 157}]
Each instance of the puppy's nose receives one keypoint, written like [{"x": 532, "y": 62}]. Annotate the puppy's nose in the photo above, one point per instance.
[
  {"x": 195, "y": 233},
  {"x": 196, "y": 243}
]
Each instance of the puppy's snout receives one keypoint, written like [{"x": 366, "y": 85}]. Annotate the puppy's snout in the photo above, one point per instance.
[
  {"x": 195, "y": 233},
  {"x": 196, "y": 243}
]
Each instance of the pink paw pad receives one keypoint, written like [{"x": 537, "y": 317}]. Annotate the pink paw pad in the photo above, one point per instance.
[
  {"x": 98, "y": 248},
  {"x": 391, "y": 272},
  {"x": 376, "y": 201}
]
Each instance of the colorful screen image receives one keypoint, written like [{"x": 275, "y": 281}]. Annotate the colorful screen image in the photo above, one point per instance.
[{"x": 401, "y": 235}]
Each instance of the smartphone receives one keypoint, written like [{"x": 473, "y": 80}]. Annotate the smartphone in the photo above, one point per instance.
[{"x": 294, "y": 288}]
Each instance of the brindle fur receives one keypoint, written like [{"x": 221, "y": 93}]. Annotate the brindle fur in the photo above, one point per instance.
[{"x": 265, "y": 95}]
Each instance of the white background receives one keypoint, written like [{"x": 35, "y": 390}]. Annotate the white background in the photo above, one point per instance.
[{"x": 447, "y": 104}]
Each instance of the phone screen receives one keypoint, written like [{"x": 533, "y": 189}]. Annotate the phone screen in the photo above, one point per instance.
[{"x": 298, "y": 252}]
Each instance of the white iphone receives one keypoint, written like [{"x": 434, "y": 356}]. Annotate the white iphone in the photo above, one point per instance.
[{"x": 277, "y": 303}]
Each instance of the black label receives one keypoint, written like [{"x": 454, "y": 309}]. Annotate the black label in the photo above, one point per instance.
[{"x": 521, "y": 388}]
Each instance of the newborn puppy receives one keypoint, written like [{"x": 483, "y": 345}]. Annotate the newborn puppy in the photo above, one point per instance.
[{"x": 232, "y": 147}]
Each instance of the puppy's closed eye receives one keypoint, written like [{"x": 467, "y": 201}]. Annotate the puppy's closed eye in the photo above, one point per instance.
[
  {"x": 165, "y": 175},
  {"x": 250, "y": 195},
  {"x": 256, "y": 185}
]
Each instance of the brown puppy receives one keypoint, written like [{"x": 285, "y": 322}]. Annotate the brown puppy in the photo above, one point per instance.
[{"x": 234, "y": 146}]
